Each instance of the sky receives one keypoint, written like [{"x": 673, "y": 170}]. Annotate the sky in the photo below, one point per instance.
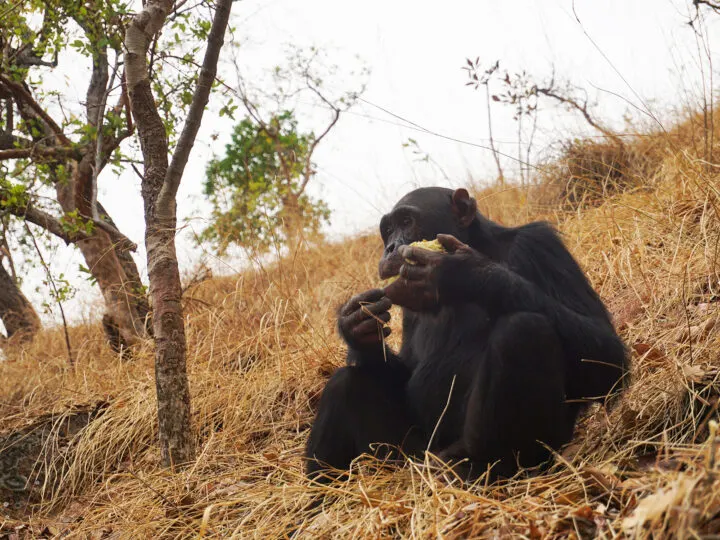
[{"x": 636, "y": 57}]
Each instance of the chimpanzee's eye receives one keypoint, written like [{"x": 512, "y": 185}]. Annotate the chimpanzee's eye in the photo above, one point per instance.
[{"x": 407, "y": 221}]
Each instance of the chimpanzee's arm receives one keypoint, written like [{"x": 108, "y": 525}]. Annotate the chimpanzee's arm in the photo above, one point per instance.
[{"x": 541, "y": 276}]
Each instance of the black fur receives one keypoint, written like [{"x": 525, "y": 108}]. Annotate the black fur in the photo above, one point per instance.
[{"x": 512, "y": 324}]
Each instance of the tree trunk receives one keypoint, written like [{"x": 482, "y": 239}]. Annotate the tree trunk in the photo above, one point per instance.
[
  {"x": 134, "y": 291},
  {"x": 124, "y": 300},
  {"x": 159, "y": 189},
  {"x": 17, "y": 314},
  {"x": 173, "y": 391},
  {"x": 292, "y": 222},
  {"x": 105, "y": 256}
]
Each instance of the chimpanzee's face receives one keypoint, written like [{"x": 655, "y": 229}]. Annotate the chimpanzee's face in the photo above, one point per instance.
[{"x": 420, "y": 215}]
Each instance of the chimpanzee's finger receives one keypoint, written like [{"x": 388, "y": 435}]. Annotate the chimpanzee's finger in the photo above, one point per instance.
[
  {"x": 367, "y": 311},
  {"x": 402, "y": 292},
  {"x": 414, "y": 273},
  {"x": 368, "y": 326},
  {"x": 371, "y": 296},
  {"x": 450, "y": 243},
  {"x": 419, "y": 256},
  {"x": 382, "y": 318},
  {"x": 373, "y": 337}
]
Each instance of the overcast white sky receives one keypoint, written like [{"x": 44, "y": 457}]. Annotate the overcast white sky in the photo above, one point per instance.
[{"x": 637, "y": 52}]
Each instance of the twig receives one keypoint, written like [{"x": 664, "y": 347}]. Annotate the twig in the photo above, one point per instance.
[
  {"x": 71, "y": 361},
  {"x": 496, "y": 156},
  {"x": 442, "y": 414}
]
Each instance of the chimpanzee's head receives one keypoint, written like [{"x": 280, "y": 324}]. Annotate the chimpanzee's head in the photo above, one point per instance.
[{"x": 422, "y": 215}]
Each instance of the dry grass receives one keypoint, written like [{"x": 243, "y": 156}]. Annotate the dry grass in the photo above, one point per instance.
[{"x": 262, "y": 344}]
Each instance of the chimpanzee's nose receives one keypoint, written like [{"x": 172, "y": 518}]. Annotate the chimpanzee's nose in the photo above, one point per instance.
[{"x": 392, "y": 246}]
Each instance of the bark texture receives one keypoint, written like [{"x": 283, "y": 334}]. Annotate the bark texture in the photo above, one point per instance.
[
  {"x": 159, "y": 188},
  {"x": 17, "y": 314}
]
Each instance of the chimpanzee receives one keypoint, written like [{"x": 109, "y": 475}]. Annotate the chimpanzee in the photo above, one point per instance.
[{"x": 504, "y": 343}]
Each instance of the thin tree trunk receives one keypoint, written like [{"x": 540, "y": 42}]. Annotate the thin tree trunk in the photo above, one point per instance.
[
  {"x": 292, "y": 222},
  {"x": 159, "y": 189},
  {"x": 17, "y": 314},
  {"x": 173, "y": 391}
]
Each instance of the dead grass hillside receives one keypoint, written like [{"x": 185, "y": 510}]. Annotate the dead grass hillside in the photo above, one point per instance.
[{"x": 262, "y": 344}]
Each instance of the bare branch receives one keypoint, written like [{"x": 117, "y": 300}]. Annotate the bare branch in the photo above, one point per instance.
[
  {"x": 198, "y": 105},
  {"x": 336, "y": 116},
  {"x": 582, "y": 108},
  {"x": 715, "y": 6},
  {"x": 41, "y": 151},
  {"x": 57, "y": 294}
]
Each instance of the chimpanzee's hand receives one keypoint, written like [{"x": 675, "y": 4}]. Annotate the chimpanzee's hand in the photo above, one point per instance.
[
  {"x": 360, "y": 320},
  {"x": 431, "y": 280}
]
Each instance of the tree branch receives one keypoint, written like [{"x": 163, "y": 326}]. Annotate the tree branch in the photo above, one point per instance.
[
  {"x": 8, "y": 141},
  {"x": 709, "y": 3},
  {"x": 42, "y": 219},
  {"x": 124, "y": 243},
  {"x": 41, "y": 151},
  {"x": 99, "y": 142},
  {"x": 333, "y": 121},
  {"x": 21, "y": 94},
  {"x": 197, "y": 107},
  {"x": 549, "y": 92},
  {"x": 53, "y": 225}
]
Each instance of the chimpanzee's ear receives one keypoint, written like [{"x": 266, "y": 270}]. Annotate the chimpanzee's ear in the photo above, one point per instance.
[{"x": 464, "y": 207}]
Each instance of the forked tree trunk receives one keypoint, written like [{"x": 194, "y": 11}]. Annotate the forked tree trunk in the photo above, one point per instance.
[
  {"x": 17, "y": 314},
  {"x": 159, "y": 189},
  {"x": 118, "y": 278}
]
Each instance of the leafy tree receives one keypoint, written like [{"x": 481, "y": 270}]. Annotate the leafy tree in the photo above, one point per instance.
[
  {"x": 50, "y": 156},
  {"x": 54, "y": 150},
  {"x": 258, "y": 188}
]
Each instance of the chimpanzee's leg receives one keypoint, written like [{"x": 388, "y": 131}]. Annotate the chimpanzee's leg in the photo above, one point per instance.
[
  {"x": 517, "y": 402},
  {"x": 356, "y": 409}
]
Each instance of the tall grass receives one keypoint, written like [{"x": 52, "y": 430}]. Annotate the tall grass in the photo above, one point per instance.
[{"x": 262, "y": 344}]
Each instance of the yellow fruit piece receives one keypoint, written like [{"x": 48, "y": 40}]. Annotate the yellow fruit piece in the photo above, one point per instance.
[
  {"x": 385, "y": 282},
  {"x": 430, "y": 245}
]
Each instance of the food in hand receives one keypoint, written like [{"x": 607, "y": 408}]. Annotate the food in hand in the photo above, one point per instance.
[{"x": 430, "y": 245}]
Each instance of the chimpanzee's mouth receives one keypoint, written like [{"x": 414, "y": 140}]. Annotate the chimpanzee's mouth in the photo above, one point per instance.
[{"x": 390, "y": 266}]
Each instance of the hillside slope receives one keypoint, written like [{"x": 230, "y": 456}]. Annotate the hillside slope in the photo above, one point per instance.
[{"x": 262, "y": 344}]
